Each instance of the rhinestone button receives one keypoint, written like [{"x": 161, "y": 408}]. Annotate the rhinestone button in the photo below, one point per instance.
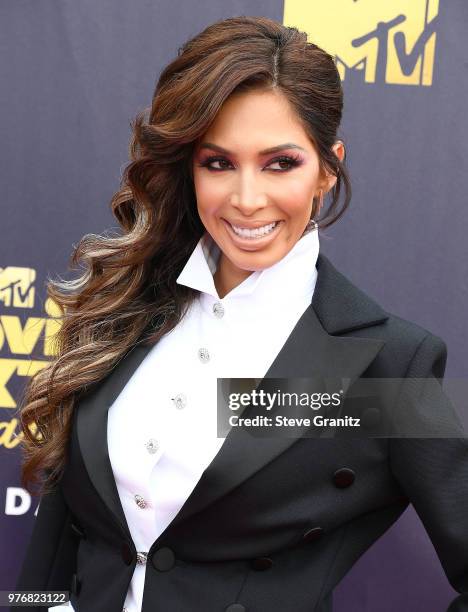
[
  {"x": 218, "y": 310},
  {"x": 141, "y": 558},
  {"x": 180, "y": 401},
  {"x": 152, "y": 446},
  {"x": 140, "y": 501},
  {"x": 204, "y": 355}
]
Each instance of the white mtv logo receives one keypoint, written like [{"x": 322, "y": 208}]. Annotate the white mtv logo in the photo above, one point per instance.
[{"x": 17, "y": 501}]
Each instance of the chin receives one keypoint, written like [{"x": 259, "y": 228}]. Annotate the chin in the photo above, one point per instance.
[{"x": 254, "y": 261}]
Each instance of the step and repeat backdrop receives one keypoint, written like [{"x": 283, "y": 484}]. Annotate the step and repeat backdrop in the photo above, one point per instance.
[{"x": 73, "y": 75}]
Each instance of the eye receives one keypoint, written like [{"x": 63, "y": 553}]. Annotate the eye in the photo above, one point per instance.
[
  {"x": 207, "y": 163},
  {"x": 290, "y": 161},
  {"x": 224, "y": 164}
]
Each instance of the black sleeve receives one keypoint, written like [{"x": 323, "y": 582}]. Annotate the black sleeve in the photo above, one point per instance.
[
  {"x": 434, "y": 471},
  {"x": 50, "y": 558}
]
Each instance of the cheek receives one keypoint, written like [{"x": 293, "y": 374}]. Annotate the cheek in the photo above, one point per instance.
[
  {"x": 296, "y": 198},
  {"x": 209, "y": 193}
]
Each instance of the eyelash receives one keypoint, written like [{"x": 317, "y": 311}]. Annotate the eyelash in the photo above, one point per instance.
[{"x": 291, "y": 159}]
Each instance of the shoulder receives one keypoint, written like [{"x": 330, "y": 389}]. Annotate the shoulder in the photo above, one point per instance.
[
  {"x": 421, "y": 350},
  {"x": 407, "y": 333},
  {"x": 345, "y": 308}
]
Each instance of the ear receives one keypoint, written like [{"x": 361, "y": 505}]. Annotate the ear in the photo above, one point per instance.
[{"x": 339, "y": 150}]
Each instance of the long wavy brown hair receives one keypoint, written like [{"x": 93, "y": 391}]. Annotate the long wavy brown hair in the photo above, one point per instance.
[{"x": 127, "y": 292}]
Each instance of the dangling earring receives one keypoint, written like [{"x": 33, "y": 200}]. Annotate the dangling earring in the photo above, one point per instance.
[
  {"x": 312, "y": 224},
  {"x": 320, "y": 204}
]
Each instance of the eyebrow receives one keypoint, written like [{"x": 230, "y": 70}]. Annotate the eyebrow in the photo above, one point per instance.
[{"x": 281, "y": 147}]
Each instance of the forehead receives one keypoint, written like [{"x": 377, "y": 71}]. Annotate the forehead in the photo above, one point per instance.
[{"x": 259, "y": 119}]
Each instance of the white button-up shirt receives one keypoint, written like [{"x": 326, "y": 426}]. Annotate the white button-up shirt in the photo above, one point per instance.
[{"x": 162, "y": 428}]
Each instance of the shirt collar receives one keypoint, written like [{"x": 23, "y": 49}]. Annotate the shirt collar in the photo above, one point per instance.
[{"x": 294, "y": 273}]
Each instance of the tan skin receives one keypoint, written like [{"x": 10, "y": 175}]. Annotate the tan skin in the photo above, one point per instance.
[{"x": 250, "y": 188}]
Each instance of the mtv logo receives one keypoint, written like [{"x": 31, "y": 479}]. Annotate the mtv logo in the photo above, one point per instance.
[
  {"x": 374, "y": 42},
  {"x": 16, "y": 287}
]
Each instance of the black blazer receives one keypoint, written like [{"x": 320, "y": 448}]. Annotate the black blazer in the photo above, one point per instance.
[{"x": 273, "y": 524}]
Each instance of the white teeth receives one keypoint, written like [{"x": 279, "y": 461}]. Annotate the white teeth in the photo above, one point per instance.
[{"x": 255, "y": 233}]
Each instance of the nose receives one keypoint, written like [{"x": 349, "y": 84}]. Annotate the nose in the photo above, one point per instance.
[{"x": 247, "y": 195}]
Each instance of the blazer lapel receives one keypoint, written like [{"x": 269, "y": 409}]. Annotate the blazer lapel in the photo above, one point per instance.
[
  {"x": 312, "y": 350},
  {"x": 91, "y": 429}
]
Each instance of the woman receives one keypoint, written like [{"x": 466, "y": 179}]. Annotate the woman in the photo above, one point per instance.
[{"x": 217, "y": 274}]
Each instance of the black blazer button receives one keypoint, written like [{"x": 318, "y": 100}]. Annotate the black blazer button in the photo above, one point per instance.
[
  {"x": 77, "y": 530},
  {"x": 343, "y": 477},
  {"x": 163, "y": 559},
  {"x": 235, "y": 608},
  {"x": 127, "y": 553},
  {"x": 75, "y": 585},
  {"x": 312, "y": 534},
  {"x": 262, "y": 563}
]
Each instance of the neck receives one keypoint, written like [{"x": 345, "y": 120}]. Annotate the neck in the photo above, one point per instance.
[{"x": 228, "y": 276}]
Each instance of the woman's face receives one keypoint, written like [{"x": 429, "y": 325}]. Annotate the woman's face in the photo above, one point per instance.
[{"x": 240, "y": 185}]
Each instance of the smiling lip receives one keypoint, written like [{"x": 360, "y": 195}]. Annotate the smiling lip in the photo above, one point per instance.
[
  {"x": 251, "y": 224},
  {"x": 252, "y": 244}
]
